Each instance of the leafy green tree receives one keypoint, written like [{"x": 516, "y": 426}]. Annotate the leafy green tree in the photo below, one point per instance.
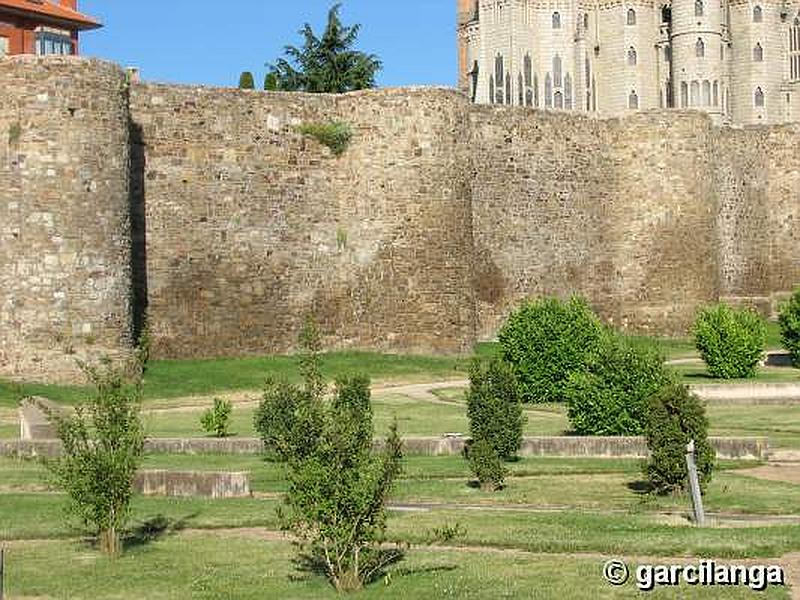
[
  {"x": 789, "y": 321},
  {"x": 674, "y": 417},
  {"x": 103, "y": 443},
  {"x": 546, "y": 341},
  {"x": 216, "y": 420},
  {"x": 336, "y": 501},
  {"x": 246, "y": 81},
  {"x": 494, "y": 407},
  {"x": 731, "y": 342},
  {"x": 326, "y": 64}
]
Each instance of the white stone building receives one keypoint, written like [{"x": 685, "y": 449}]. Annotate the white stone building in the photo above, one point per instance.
[{"x": 738, "y": 60}]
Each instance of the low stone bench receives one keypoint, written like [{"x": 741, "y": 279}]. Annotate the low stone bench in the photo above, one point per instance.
[{"x": 204, "y": 484}]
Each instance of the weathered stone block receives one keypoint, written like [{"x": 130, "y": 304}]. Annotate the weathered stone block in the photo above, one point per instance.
[{"x": 204, "y": 484}]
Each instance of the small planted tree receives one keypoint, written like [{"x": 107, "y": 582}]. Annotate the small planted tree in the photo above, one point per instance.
[
  {"x": 338, "y": 489},
  {"x": 494, "y": 407},
  {"x": 494, "y": 410},
  {"x": 789, "y": 321},
  {"x": 546, "y": 341},
  {"x": 102, "y": 450},
  {"x": 610, "y": 396},
  {"x": 216, "y": 420},
  {"x": 288, "y": 417},
  {"x": 731, "y": 342},
  {"x": 674, "y": 417},
  {"x": 246, "y": 81}
]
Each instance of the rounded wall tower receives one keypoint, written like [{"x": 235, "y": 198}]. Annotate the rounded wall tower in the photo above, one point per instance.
[
  {"x": 65, "y": 247},
  {"x": 698, "y": 55}
]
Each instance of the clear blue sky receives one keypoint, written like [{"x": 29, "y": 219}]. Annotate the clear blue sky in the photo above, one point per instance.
[{"x": 211, "y": 42}]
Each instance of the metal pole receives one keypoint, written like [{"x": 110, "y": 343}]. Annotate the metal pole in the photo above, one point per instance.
[{"x": 694, "y": 486}]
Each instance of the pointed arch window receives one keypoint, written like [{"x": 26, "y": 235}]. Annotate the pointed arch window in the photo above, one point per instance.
[
  {"x": 758, "y": 98},
  {"x": 536, "y": 90},
  {"x": 509, "y": 97},
  {"x": 706, "y": 93},
  {"x": 557, "y": 70},
  {"x": 794, "y": 50},
  {"x": 633, "y": 100},
  {"x": 631, "y": 20},
  {"x": 758, "y": 53},
  {"x": 715, "y": 99},
  {"x": 520, "y": 90},
  {"x": 556, "y": 20},
  {"x": 700, "y": 48},
  {"x": 758, "y": 14},
  {"x": 558, "y": 100},
  {"x": 699, "y": 9},
  {"x": 632, "y": 58},
  {"x": 684, "y": 94},
  {"x": 491, "y": 89},
  {"x": 694, "y": 99},
  {"x": 548, "y": 92},
  {"x": 568, "y": 92},
  {"x": 527, "y": 70}
]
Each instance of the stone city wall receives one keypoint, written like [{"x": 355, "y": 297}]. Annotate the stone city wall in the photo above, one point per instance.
[{"x": 210, "y": 211}]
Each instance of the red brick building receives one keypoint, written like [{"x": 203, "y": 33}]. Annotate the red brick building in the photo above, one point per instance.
[{"x": 41, "y": 26}]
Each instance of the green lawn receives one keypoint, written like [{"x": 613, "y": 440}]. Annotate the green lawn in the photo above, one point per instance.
[{"x": 245, "y": 568}]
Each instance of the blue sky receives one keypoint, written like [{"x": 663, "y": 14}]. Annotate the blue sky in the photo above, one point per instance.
[{"x": 211, "y": 42}]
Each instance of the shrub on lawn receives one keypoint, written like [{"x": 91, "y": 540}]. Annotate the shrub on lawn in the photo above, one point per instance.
[
  {"x": 610, "y": 396},
  {"x": 546, "y": 341},
  {"x": 103, "y": 443},
  {"x": 494, "y": 407},
  {"x": 674, "y": 417},
  {"x": 336, "y": 501},
  {"x": 487, "y": 466},
  {"x": 730, "y": 341},
  {"x": 216, "y": 420},
  {"x": 288, "y": 419},
  {"x": 789, "y": 321}
]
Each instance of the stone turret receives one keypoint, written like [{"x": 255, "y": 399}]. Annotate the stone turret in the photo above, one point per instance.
[{"x": 697, "y": 55}]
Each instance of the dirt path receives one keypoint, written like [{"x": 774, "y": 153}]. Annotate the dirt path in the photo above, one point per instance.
[{"x": 788, "y": 472}]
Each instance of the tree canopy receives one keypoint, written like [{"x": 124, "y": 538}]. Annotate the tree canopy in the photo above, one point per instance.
[{"x": 326, "y": 64}]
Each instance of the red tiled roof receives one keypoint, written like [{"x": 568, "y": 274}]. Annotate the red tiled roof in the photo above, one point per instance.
[{"x": 54, "y": 12}]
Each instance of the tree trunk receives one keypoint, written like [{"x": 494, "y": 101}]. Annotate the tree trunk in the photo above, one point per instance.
[
  {"x": 349, "y": 581},
  {"x": 110, "y": 542}
]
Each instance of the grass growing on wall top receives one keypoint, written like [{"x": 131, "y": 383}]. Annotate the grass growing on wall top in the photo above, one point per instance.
[{"x": 336, "y": 135}]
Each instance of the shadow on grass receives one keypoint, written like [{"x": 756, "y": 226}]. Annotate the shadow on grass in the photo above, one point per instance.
[
  {"x": 640, "y": 487},
  {"x": 308, "y": 565},
  {"x": 155, "y": 528}
]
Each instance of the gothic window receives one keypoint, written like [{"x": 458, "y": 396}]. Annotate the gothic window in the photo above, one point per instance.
[
  {"x": 588, "y": 101},
  {"x": 700, "y": 48},
  {"x": 631, "y": 17},
  {"x": 695, "y": 94},
  {"x": 632, "y": 56},
  {"x": 668, "y": 93},
  {"x": 556, "y": 20},
  {"x": 498, "y": 70},
  {"x": 758, "y": 53},
  {"x": 557, "y": 70},
  {"x": 548, "y": 92},
  {"x": 588, "y": 72},
  {"x": 509, "y": 97},
  {"x": 491, "y": 89},
  {"x": 568, "y": 92},
  {"x": 698, "y": 8},
  {"x": 759, "y": 98},
  {"x": 536, "y": 91},
  {"x": 758, "y": 14},
  {"x": 715, "y": 99},
  {"x": 684, "y": 94},
  {"x": 633, "y": 100},
  {"x": 794, "y": 50},
  {"x": 558, "y": 100},
  {"x": 586, "y": 21},
  {"x": 520, "y": 90},
  {"x": 706, "y": 93},
  {"x": 528, "y": 80}
]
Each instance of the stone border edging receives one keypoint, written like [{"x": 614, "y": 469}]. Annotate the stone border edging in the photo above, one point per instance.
[
  {"x": 748, "y": 392},
  {"x": 558, "y": 446}
]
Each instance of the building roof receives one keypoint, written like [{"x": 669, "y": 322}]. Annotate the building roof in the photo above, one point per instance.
[{"x": 49, "y": 12}]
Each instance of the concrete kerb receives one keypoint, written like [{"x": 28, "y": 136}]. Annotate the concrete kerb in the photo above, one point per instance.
[{"x": 562, "y": 446}]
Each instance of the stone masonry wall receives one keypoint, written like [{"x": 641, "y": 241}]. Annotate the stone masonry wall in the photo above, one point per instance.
[
  {"x": 621, "y": 211},
  {"x": 64, "y": 229},
  {"x": 252, "y": 225},
  {"x": 210, "y": 210}
]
